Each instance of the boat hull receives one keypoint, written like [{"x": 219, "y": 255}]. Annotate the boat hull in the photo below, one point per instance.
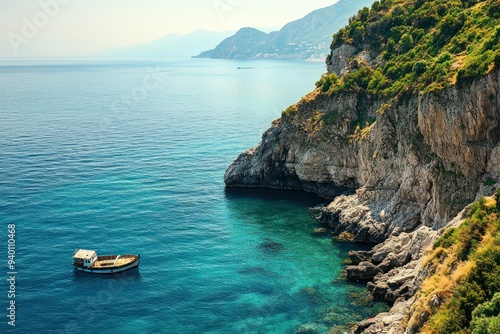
[{"x": 110, "y": 270}]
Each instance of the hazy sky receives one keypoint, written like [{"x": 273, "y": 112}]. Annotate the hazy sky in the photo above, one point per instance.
[{"x": 78, "y": 27}]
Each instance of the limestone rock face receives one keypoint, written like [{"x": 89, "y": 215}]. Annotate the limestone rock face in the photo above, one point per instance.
[
  {"x": 339, "y": 62},
  {"x": 396, "y": 181},
  {"x": 420, "y": 163},
  {"x": 494, "y": 163},
  {"x": 290, "y": 156}
]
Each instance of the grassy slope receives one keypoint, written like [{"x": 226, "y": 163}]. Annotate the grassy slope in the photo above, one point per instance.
[{"x": 462, "y": 292}]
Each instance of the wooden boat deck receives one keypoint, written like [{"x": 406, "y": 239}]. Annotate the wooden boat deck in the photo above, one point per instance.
[{"x": 112, "y": 262}]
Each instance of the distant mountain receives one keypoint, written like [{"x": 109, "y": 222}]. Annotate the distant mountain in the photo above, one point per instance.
[
  {"x": 169, "y": 46},
  {"x": 241, "y": 45},
  {"x": 306, "y": 38}
]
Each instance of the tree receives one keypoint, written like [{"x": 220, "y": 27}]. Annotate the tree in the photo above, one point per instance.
[
  {"x": 363, "y": 14},
  {"x": 406, "y": 43},
  {"x": 419, "y": 68}
]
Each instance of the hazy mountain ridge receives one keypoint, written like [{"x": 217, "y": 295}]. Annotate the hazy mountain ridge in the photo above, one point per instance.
[
  {"x": 308, "y": 37},
  {"x": 169, "y": 46}
]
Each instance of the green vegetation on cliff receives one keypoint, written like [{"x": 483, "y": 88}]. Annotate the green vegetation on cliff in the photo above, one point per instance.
[
  {"x": 418, "y": 45},
  {"x": 462, "y": 292}
]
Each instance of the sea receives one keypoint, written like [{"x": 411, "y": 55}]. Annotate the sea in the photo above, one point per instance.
[{"x": 128, "y": 156}]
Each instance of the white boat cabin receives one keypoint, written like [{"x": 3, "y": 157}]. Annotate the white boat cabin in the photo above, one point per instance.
[{"x": 84, "y": 258}]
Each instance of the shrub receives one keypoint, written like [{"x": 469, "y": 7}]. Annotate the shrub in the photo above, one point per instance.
[
  {"x": 490, "y": 182},
  {"x": 445, "y": 321},
  {"x": 444, "y": 57},
  {"x": 327, "y": 81},
  {"x": 358, "y": 79},
  {"x": 339, "y": 38},
  {"x": 489, "y": 325},
  {"x": 389, "y": 49},
  {"x": 377, "y": 82},
  {"x": 494, "y": 10},
  {"x": 448, "y": 239},
  {"x": 419, "y": 68},
  {"x": 406, "y": 43},
  {"x": 471, "y": 234},
  {"x": 488, "y": 309}
]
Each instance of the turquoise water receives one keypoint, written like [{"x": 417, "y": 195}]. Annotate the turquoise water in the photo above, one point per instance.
[{"x": 129, "y": 157}]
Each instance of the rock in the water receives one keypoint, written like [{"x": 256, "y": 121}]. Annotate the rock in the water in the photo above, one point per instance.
[
  {"x": 346, "y": 236},
  {"x": 320, "y": 230},
  {"x": 362, "y": 272},
  {"x": 356, "y": 257}
]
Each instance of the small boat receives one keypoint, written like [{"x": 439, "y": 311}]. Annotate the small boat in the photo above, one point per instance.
[{"x": 88, "y": 261}]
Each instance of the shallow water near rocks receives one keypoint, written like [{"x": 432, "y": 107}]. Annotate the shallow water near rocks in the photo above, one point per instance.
[{"x": 129, "y": 157}]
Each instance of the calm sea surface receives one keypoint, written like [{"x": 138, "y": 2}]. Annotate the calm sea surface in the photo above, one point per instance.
[{"x": 129, "y": 157}]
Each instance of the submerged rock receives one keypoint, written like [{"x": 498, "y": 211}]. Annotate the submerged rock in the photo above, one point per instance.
[
  {"x": 339, "y": 330},
  {"x": 312, "y": 295},
  {"x": 270, "y": 247},
  {"x": 253, "y": 270},
  {"x": 361, "y": 299},
  {"x": 309, "y": 329}
]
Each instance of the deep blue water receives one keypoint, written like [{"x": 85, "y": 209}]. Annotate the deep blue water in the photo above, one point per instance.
[{"x": 129, "y": 157}]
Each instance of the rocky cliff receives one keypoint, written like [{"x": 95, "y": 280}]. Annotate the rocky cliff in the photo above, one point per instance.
[
  {"x": 401, "y": 168},
  {"x": 419, "y": 163},
  {"x": 412, "y": 170}
]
